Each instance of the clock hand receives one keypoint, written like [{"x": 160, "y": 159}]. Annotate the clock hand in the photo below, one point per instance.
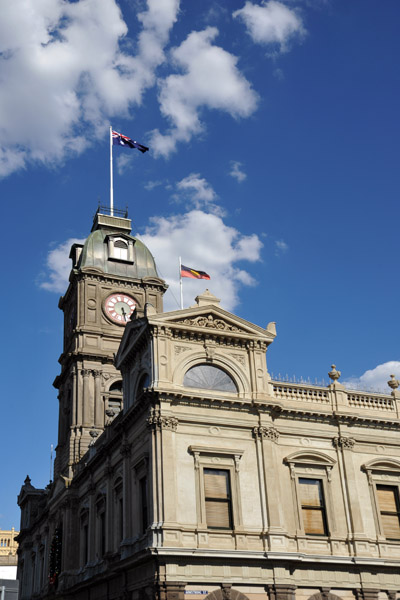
[{"x": 123, "y": 313}]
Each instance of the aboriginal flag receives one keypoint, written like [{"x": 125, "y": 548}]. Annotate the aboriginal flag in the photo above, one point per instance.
[{"x": 188, "y": 272}]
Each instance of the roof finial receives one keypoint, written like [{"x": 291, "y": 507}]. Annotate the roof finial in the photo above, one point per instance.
[
  {"x": 334, "y": 374},
  {"x": 393, "y": 383}
]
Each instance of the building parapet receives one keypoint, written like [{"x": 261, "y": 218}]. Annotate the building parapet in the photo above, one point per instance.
[{"x": 336, "y": 398}]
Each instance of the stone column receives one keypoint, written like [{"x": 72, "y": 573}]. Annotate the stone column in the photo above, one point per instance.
[
  {"x": 92, "y": 524},
  {"x": 165, "y": 428},
  {"x": 172, "y": 591},
  {"x": 344, "y": 446},
  {"x": 127, "y": 517},
  {"x": 269, "y": 436},
  {"x": 110, "y": 525},
  {"x": 285, "y": 592},
  {"x": 98, "y": 408},
  {"x": 74, "y": 408},
  {"x": 86, "y": 397},
  {"x": 70, "y": 534}
]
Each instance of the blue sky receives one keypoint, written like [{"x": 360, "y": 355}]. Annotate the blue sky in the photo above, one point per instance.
[{"x": 274, "y": 149}]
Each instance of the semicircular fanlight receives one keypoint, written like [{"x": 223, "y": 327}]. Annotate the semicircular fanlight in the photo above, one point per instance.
[{"x": 208, "y": 377}]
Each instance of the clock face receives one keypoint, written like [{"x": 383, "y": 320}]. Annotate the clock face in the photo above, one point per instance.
[{"x": 119, "y": 307}]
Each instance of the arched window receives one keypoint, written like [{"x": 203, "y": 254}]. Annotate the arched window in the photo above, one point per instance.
[
  {"x": 120, "y": 250},
  {"x": 209, "y": 377},
  {"x": 114, "y": 402},
  {"x": 144, "y": 382}
]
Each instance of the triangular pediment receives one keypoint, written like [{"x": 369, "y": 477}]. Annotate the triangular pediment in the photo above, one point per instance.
[
  {"x": 214, "y": 319},
  {"x": 133, "y": 331}
]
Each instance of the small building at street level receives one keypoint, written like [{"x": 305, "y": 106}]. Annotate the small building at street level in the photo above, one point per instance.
[{"x": 184, "y": 470}]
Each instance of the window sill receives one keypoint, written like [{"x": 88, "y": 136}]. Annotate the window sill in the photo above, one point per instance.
[{"x": 121, "y": 260}]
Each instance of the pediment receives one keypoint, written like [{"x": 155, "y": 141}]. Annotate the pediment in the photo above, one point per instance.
[
  {"x": 304, "y": 457},
  {"x": 120, "y": 235},
  {"x": 382, "y": 464},
  {"x": 133, "y": 331},
  {"x": 213, "y": 319}
]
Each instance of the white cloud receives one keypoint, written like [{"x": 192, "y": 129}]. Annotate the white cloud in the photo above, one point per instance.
[
  {"x": 204, "y": 242},
  {"x": 150, "y": 185},
  {"x": 66, "y": 70},
  {"x": 281, "y": 247},
  {"x": 271, "y": 23},
  {"x": 125, "y": 162},
  {"x": 236, "y": 171},
  {"x": 59, "y": 267},
  {"x": 199, "y": 193},
  {"x": 375, "y": 379},
  {"x": 211, "y": 80}
]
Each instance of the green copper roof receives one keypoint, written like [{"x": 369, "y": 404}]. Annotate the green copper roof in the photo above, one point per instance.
[{"x": 95, "y": 254}]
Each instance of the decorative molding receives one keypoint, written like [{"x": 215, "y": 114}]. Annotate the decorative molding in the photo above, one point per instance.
[
  {"x": 343, "y": 442},
  {"x": 180, "y": 349},
  {"x": 238, "y": 357},
  {"x": 269, "y": 433},
  {"x": 210, "y": 322},
  {"x": 209, "y": 347},
  {"x": 156, "y": 421}
]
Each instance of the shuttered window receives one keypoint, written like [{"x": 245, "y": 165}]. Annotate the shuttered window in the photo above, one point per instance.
[
  {"x": 389, "y": 506},
  {"x": 312, "y": 506},
  {"x": 217, "y": 499}
]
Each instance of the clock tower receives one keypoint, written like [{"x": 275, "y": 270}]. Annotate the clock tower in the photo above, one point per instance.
[{"x": 113, "y": 277}]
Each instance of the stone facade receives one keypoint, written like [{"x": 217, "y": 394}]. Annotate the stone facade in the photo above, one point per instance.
[
  {"x": 217, "y": 481},
  {"x": 8, "y": 543}
]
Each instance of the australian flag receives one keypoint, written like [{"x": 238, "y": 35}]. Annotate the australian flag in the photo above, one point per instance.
[{"x": 122, "y": 140}]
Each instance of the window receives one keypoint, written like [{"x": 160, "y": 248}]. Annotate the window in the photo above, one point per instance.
[
  {"x": 312, "y": 476},
  {"x": 383, "y": 478},
  {"x": 113, "y": 401},
  {"x": 118, "y": 512},
  {"x": 102, "y": 533},
  {"x": 143, "y": 504},
  {"x": 312, "y": 506},
  {"x": 217, "y": 496},
  {"x": 120, "y": 250},
  {"x": 101, "y": 526},
  {"x": 208, "y": 377},
  {"x": 84, "y": 528},
  {"x": 388, "y": 501},
  {"x": 85, "y": 535},
  {"x": 142, "y": 497}
]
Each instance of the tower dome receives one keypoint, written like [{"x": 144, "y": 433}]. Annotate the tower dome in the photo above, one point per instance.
[{"x": 112, "y": 250}]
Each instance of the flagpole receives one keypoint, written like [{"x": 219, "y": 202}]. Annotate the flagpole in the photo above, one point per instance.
[
  {"x": 180, "y": 281},
  {"x": 111, "y": 177}
]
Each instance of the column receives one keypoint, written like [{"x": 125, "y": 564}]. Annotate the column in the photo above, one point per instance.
[
  {"x": 172, "y": 591},
  {"x": 98, "y": 407},
  {"x": 86, "y": 397},
  {"x": 127, "y": 518},
  {"x": 269, "y": 436},
  {"x": 344, "y": 446}
]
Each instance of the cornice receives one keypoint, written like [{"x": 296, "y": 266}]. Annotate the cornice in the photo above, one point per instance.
[
  {"x": 276, "y": 409},
  {"x": 128, "y": 282}
]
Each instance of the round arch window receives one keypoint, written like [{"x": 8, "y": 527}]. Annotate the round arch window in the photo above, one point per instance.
[{"x": 209, "y": 377}]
